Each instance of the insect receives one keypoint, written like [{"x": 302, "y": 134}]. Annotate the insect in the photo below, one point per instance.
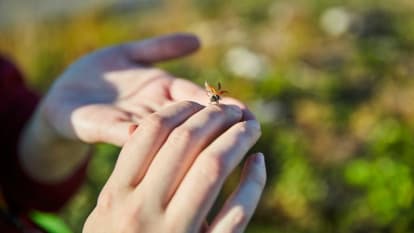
[{"x": 215, "y": 95}]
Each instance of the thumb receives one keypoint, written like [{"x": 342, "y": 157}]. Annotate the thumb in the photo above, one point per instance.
[{"x": 162, "y": 48}]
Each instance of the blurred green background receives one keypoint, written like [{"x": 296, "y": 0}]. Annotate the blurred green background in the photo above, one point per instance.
[{"x": 331, "y": 82}]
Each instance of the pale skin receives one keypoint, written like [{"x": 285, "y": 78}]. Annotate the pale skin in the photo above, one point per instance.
[
  {"x": 171, "y": 185},
  {"x": 104, "y": 95},
  {"x": 99, "y": 97}
]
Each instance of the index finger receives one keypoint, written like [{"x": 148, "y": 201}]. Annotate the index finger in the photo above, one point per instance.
[
  {"x": 138, "y": 151},
  {"x": 162, "y": 48}
]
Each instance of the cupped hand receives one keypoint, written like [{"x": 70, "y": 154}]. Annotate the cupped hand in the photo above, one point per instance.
[
  {"x": 102, "y": 94},
  {"x": 171, "y": 169}
]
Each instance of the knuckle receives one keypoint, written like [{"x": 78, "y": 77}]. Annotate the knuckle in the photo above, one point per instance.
[
  {"x": 215, "y": 169},
  {"x": 132, "y": 216},
  {"x": 239, "y": 217},
  {"x": 183, "y": 135},
  {"x": 135, "y": 212},
  {"x": 105, "y": 200},
  {"x": 216, "y": 112},
  {"x": 249, "y": 131},
  {"x": 155, "y": 121},
  {"x": 242, "y": 129}
]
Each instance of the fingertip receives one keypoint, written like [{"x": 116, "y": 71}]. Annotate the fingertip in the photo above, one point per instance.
[
  {"x": 256, "y": 169},
  {"x": 240, "y": 206},
  {"x": 259, "y": 159},
  {"x": 162, "y": 48},
  {"x": 192, "y": 41},
  {"x": 248, "y": 115}
]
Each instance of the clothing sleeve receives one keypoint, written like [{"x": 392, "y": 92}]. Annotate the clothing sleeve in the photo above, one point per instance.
[{"x": 17, "y": 103}]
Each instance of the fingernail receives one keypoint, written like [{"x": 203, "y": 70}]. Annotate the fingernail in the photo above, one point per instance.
[{"x": 259, "y": 159}]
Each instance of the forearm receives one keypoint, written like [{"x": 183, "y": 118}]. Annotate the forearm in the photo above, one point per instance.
[{"x": 47, "y": 157}]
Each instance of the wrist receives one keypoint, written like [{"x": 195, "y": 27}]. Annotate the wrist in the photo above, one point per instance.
[{"x": 47, "y": 156}]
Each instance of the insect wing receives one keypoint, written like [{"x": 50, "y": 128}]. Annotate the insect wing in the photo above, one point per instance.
[{"x": 210, "y": 90}]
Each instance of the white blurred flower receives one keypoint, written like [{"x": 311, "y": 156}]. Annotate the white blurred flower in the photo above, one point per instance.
[
  {"x": 245, "y": 63},
  {"x": 335, "y": 21}
]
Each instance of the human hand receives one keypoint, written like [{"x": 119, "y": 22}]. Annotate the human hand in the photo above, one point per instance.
[
  {"x": 171, "y": 169},
  {"x": 102, "y": 94},
  {"x": 99, "y": 97}
]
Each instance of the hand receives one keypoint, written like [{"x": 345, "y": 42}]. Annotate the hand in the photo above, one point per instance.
[
  {"x": 101, "y": 95},
  {"x": 171, "y": 169}
]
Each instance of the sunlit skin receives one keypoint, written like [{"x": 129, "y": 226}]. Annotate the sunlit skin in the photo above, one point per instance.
[
  {"x": 215, "y": 95},
  {"x": 171, "y": 185},
  {"x": 176, "y": 154},
  {"x": 100, "y": 96}
]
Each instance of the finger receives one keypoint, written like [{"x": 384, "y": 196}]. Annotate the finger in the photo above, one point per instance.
[
  {"x": 162, "y": 48},
  {"x": 145, "y": 142},
  {"x": 183, "y": 145},
  {"x": 141, "y": 108},
  {"x": 101, "y": 123},
  {"x": 182, "y": 89},
  {"x": 240, "y": 206},
  {"x": 138, "y": 111},
  {"x": 202, "y": 183}
]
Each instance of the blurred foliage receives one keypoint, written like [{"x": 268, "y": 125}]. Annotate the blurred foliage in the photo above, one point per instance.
[
  {"x": 331, "y": 82},
  {"x": 51, "y": 222}
]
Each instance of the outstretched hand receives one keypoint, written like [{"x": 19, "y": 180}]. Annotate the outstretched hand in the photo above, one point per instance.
[{"x": 102, "y": 94}]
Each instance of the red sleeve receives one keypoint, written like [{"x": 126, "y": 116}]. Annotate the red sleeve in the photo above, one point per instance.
[{"x": 17, "y": 104}]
